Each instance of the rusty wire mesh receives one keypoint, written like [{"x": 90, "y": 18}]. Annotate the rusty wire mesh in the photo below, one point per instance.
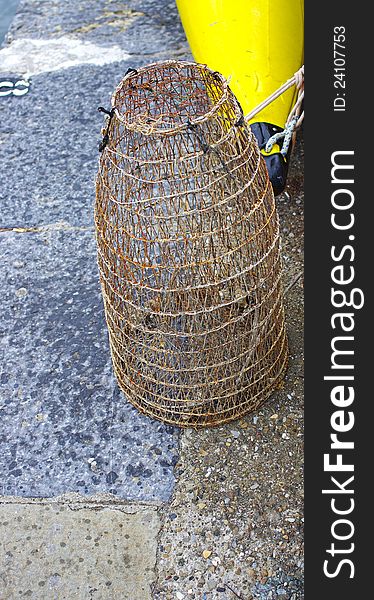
[{"x": 188, "y": 249}]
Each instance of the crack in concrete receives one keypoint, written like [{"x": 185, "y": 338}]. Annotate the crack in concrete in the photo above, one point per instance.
[
  {"x": 76, "y": 501},
  {"x": 162, "y": 510},
  {"x": 59, "y": 225}
]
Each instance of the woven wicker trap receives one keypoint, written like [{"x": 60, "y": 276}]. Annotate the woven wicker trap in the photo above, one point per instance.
[{"x": 188, "y": 249}]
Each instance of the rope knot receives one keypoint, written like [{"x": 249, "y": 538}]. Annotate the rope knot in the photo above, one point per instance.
[
  {"x": 286, "y": 134},
  {"x": 297, "y": 80}
]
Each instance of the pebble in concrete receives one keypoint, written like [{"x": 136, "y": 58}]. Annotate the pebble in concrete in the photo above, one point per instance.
[{"x": 56, "y": 553}]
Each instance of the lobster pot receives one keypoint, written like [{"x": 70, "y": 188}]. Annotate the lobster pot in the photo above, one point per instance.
[{"x": 188, "y": 249}]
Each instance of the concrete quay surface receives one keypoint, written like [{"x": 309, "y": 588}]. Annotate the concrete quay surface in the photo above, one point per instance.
[{"x": 98, "y": 501}]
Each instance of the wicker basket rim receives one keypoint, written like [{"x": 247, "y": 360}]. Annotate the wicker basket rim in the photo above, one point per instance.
[{"x": 155, "y": 129}]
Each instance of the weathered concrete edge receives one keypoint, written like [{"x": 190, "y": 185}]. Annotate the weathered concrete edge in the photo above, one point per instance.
[{"x": 77, "y": 501}]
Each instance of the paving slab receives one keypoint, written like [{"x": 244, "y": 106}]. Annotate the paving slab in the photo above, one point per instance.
[
  {"x": 65, "y": 424},
  {"x": 67, "y": 427},
  {"x": 53, "y": 552}
]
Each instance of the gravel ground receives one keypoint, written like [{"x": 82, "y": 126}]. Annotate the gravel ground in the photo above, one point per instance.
[{"x": 234, "y": 528}]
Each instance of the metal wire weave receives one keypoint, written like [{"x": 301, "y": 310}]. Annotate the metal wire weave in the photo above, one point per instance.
[{"x": 188, "y": 249}]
